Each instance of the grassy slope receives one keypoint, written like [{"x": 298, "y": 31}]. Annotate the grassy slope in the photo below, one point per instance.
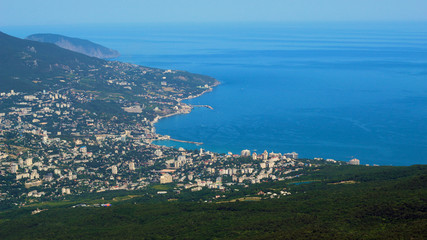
[{"x": 376, "y": 207}]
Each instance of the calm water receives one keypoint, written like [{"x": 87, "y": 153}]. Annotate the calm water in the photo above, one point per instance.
[{"x": 332, "y": 91}]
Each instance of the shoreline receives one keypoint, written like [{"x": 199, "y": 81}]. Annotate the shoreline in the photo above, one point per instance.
[
  {"x": 183, "y": 141},
  {"x": 187, "y": 109}
]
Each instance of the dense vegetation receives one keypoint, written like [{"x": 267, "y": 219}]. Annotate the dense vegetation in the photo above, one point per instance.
[
  {"x": 24, "y": 62},
  {"x": 30, "y": 66},
  {"x": 345, "y": 202},
  {"x": 93, "y": 84}
]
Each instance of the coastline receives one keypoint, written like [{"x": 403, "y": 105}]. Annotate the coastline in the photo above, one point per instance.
[{"x": 186, "y": 109}]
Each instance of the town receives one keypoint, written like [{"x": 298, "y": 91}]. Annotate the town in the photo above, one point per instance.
[{"x": 50, "y": 148}]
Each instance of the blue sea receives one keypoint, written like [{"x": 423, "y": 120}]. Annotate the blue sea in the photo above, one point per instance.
[{"x": 323, "y": 90}]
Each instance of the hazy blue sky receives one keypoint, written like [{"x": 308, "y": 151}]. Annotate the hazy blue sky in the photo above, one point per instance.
[{"x": 40, "y": 12}]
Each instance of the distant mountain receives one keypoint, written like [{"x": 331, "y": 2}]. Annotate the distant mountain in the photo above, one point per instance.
[
  {"x": 30, "y": 65},
  {"x": 107, "y": 86},
  {"x": 76, "y": 44}
]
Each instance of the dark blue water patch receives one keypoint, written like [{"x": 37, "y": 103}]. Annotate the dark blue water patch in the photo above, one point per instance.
[
  {"x": 333, "y": 90},
  {"x": 362, "y": 117}
]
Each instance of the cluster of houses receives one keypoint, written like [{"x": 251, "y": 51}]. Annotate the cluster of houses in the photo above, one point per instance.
[{"x": 50, "y": 148}]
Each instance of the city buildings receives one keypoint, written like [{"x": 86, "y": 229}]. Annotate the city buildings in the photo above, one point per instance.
[{"x": 354, "y": 161}]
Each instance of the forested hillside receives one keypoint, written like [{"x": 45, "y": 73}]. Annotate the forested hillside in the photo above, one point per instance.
[{"x": 344, "y": 202}]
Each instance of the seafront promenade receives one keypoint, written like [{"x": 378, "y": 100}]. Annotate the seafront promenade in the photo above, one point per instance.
[{"x": 183, "y": 141}]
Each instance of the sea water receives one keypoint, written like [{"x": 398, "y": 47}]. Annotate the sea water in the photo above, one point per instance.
[{"x": 323, "y": 90}]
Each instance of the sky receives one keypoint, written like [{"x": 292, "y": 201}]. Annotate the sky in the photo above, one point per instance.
[{"x": 56, "y": 12}]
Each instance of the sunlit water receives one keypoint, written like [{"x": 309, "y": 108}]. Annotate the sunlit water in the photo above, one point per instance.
[{"x": 337, "y": 91}]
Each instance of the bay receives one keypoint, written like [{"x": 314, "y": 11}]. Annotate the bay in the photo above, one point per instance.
[{"x": 323, "y": 90}]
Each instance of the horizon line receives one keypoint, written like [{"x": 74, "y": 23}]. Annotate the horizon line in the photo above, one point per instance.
[{"x": 215, "y": 22}]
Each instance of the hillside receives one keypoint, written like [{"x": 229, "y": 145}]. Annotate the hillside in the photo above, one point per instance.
[
  {"x": 347, "y": 202},
  {"x": 30, "y": 65},
  {"x": 76, "y": 44}
]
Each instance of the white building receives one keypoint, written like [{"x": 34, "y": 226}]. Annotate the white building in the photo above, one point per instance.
[
  {"x": 22, "y": 175},
  {"x": 114, "y": 169},
  {"x": 83, "y": 149},
  {"x": 190, "y": 177},
  {"x": 292, "y": 155},
  {"x": 354, "y": 161},
  {"x": 132, "y": 166},
  {"x": 34, "y": 175},
  {"x": 165, "y": 178},
  {"x": 182, "y": 158},
  {"x": 245, "y": 153},
  {"x": 265, "y": 155},
  {"x": 3, "y": 155},
  {"x": 65, "y": 191},
  {"x": 29, "y": 162},
  {"x": 14, "y": 168},
  {"x": 158, "y": 153}
]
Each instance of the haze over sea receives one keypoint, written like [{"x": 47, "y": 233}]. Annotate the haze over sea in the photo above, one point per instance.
[{"x": 323, "y": 90}]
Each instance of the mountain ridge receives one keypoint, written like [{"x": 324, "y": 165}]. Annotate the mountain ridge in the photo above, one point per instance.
[
  {"x": 25, "y": 62},
  {"x": 29, "y": 66},
  {"x": 75, "y": 44}
]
